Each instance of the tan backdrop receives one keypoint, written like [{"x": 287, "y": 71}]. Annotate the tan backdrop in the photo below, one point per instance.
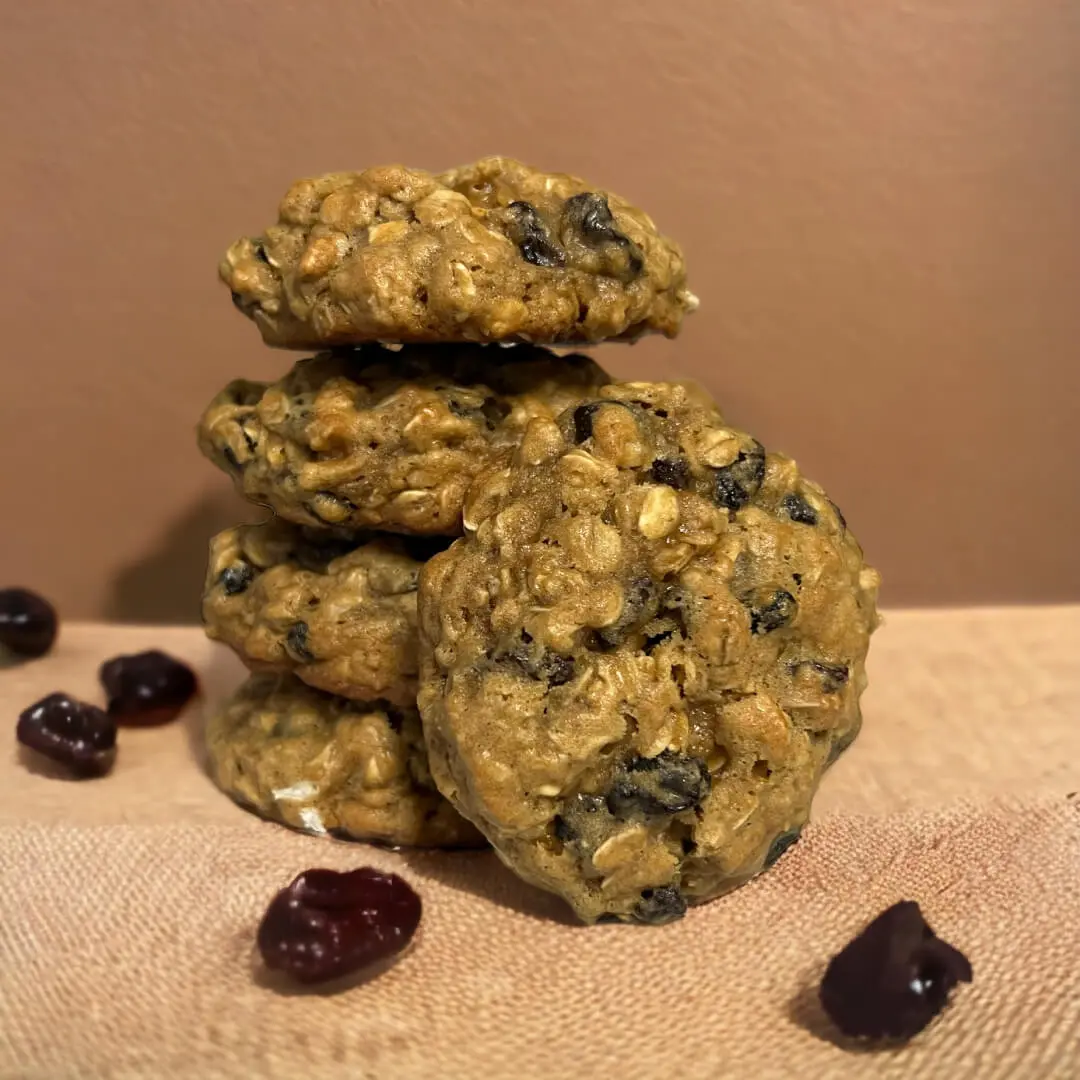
[{"x": 878, "y": 202}]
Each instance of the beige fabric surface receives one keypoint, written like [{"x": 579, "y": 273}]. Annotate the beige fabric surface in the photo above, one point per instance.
[{"x": 128, "y": 904}]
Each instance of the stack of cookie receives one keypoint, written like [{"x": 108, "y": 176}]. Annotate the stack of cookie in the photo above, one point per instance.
[{"x": 646, "y": 642}]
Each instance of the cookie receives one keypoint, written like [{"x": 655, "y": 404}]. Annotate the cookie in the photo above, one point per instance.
[
  {"x": 380, "y": 439},
  {"x": 326, "y": 765},
  {"x": 337, "y": 610},
  {"x": 494, "y": 251},
  {"x": 644, "y": 653}
]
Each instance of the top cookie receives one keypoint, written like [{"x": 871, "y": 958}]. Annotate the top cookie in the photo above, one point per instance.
[{"x": 494, "y": 251}]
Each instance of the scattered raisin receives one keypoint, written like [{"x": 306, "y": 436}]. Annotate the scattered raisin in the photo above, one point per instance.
[
  {"x": 675, "y": 472},
  {"x": 235, "y": 579},
  {"x": 779, "y": 611},
  {"x": 80, "y": 737},
  {"x": 147, "y": 688},
  {"x": 894, "y": 978},
  {"x": 28, "y": 623},
  {"x": 667, "y": 784},
  {"x": 798, "y": 509},
  {"x": 781, "y": 844},
  {"x": 531, "y": 235},
  {"x": 328, "y": 924},
  {"x": 659, "y": 906},
  {"x": 736, "y": 484},
  {"x": 296, "y": 643}
]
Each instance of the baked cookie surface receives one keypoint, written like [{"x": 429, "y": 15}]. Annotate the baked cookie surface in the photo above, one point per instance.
[
  {"x": 337, "y": 610},
  {"x": 493, "y": 251},
  {"x": 326, "y": 765},
  {"x": 380, "y": 439},
  {"x": 644, "y": 653}
]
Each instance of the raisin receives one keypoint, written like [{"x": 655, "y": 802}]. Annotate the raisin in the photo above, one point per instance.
[
  {"x": 675, "y": 472},
  {"x": 659, "y": 906},
  {"x": 781, "y": 844},
  {"x": 584, "y": 820},
  {"x": 583, "y": 417},
  {"x": 893, "y": 978},
  {"x": 652, "y": 787},
  {"x": 561, "y": 829},
  {"x": 326, "y": 924},
  {"x": 833, "y": 676},
  {"x": 640, "y": 602},
  {"x": 296, "y": 643},
  {"x": 529, "y": 232},
  {"x": 235, "y": 579},
  {"x": 588, "y": 215},
  {"x": 798, "y": 509},
  {"x": 736, "y": 484},
  {"x": 28, "y": 623},
  {"x": 779, "y": 611},
  {"x": 545, "y": 666},
  {"x": 147, "y": 688},
  {"x": 80, "y": 737}
]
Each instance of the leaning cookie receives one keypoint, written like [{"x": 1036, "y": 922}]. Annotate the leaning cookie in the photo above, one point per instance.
[
  {"x": 338, "y": 610},
  {"x": 643, "y": 655},
  {"x": 326, "y": 765},
  {"x": 379, "y": 439},
  {"x": 494, "y": 251}
]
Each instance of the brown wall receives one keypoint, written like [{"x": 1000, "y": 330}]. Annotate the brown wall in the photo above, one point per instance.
[{"x": 878, "y": 203}]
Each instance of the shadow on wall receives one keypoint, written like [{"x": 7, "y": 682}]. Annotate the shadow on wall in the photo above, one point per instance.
[{"x": 165, "y": 585}]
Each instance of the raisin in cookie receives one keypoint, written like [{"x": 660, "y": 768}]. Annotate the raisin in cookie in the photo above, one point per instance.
[
  {"x": 377, "y": 439},
  {"x": 494, "y": 251},
  {"x": 644, "y": 653},
  {"x": 327, "y": 765},
  {"x": 338, "y": 610}
]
